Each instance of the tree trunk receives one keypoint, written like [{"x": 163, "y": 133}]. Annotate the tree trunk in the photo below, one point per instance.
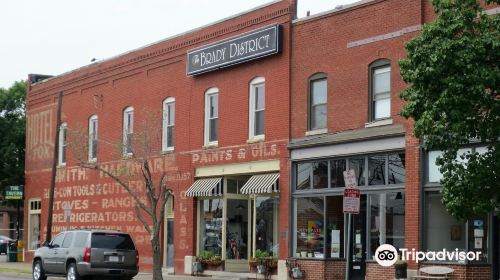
[{"x": 155, "y": 244}]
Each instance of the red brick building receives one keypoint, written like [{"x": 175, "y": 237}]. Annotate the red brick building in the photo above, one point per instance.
[{"x": 253, "y": 119}]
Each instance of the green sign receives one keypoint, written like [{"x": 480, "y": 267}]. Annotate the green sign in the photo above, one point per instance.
[{"x": 14, "y": 192}]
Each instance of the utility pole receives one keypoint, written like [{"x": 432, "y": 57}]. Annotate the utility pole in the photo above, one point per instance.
[{"x": 48, "y": 237}]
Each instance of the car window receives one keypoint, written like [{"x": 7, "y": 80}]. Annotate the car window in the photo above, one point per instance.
[
  {"x": 81, "y": 240},
  {"x": 57, "y": 241},
  {"x": 68, "y": 239},
  {"x": 112, "y": 241}
]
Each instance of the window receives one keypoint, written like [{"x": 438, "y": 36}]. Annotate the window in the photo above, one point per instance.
[
  {"x": 57, "y": 241},
  {"x": 168, "y": 124},
  {"x": 211, "y": 226},
  {"x": 63, "y": 143},
  {"x": 68, "y": 239},
  {"x": 93, "y": 138},
  {"x": 380, "y": 89},
  {"x": 128, "y": 130},
  {"x": 317, "y": 101},
  {"x": 310, "y": 231},
  {"x": 35, "y": 212},
  {"x": 81, "y": 240},
  {"x": 266, "y": 225},
  {"x": 434, "y": 175},
  {"x": 211, "y": 116},
  {"x": 257, "y": 107}
]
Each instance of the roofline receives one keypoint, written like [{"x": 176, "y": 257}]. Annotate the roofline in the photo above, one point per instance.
[
  {"x": 196, "y": 29},
  {"x": 338, "y": 10}
]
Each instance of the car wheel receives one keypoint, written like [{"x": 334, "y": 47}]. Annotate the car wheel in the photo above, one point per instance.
[
  {"x": 38, "y": 272},
  {"x": 72, "y": 273}
]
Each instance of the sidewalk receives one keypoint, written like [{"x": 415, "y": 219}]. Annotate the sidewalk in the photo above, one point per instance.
[{"x": 24, "y": 269}]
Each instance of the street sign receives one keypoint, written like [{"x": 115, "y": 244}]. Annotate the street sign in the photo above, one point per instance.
[
  {"x": 351, "y": 200},
  {"x": 351, "y": 193},
  {"x": 14, "y": 193},
  {"x": 350, "y": 178}
]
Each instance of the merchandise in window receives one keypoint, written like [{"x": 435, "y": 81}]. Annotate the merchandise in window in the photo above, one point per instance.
[
  {"x": 310, "y": 231},
  {"x": 266, "y": 225},
  {"x": 211, "y": 226}
]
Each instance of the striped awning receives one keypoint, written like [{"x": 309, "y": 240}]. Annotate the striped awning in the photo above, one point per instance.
[
  {"x": 206, "y": 187},
  {"x": 265, "y": 183}
]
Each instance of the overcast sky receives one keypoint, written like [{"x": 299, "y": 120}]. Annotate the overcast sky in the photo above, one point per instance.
[{"x": 55, "y": 36}]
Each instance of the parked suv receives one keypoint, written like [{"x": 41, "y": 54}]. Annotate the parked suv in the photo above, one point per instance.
[{"x": 85, "y": 253}]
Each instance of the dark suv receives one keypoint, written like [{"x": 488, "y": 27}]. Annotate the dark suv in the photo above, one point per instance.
[{"x": 82, "y": 254}]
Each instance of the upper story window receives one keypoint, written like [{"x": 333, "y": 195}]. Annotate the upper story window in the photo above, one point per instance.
[
  {"x": 93, "y": 138},
  {"x": 128, "y": 130},
  {"x": 168, "y": 124},
  {"x": 317, "y": 101},
  {"x": 257, "y": 108},
  {"x": 63, "y": 143},
  {"x": 380, "y": 89},
  {"x": 211, "y": 116}
]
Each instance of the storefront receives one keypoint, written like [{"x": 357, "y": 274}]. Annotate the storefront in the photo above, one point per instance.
[
  {"x": 237, "y": 213},
  {"x": 319, "y": 226}
]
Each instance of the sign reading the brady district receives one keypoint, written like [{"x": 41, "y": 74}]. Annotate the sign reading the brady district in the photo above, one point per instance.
[{"x": 249, "y": 46}]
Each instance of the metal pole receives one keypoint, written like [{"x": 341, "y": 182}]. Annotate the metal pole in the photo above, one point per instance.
[
  {"x": 348, "y": 251},
  {"x": 18, "y": 219},
  {"x": 48, "y": 237}
]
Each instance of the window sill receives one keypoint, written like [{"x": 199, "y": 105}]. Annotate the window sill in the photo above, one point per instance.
[
  {"x": 209, "y": 146},
  {"x": 93, "y": 160},
  {"x": 382, "y": 122},
  {"x": 316, "y": 132},
  {"x": 167, "y": 151},
  {"x": 127, "y": 156},
  {"x": 61, "y": 165},
  {"x": 256, "y": 139}
]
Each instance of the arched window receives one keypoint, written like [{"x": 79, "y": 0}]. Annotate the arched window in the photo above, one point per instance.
[
  {"x": 93, "y": 138},
  {"x": 168, "y": 124},
  {"x": 128, "y": 130},
  {"x": 212, "y": 116},
  {"x": 257, "y": 101},
  {"x": 318, "y": 97},
  {"x": 380, "y": 89}
]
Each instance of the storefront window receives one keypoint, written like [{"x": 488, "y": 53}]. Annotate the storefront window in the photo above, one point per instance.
[
  {"x": 310, "y": 228},
  {"x": 303, "y": 174},
  {"x": 335, "y": 227},
  {"x": 442, "y": 230},
  {"x": 266, "y": 225},
  {"x": 376, "y": 170},
  {"x": 387, "y": 220},
  {"x": 211, "y": 226},
  {"x": 237, "y": 241},
  {"x": 397, "y": 168},
  {"x": 337, "y": 168},
  {"x": 320, "y": 174},
  {"x": 358, "y": 165}
]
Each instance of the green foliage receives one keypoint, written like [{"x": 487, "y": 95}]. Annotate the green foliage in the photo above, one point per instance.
[
  {"x": 453, "y": 74},
  {"x": 259, "y": 254},
  {"x": 206, "y": 255},
  {"x": 12, "y": 134}
]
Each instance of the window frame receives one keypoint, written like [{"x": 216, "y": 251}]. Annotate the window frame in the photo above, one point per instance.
[
  {"x": 376, "y": 65},
  {"x": 63, "y": 144},
  {"x": 209, "y": 93},
  {"x": 316, "y": 78},
  {"x": 169, "y": 101},
  {"x": 254, "y": 84},
  {"x": 127, "y": 130},
  {"x": 35, "y": 208},
  {"x": 93, "y": 120}
]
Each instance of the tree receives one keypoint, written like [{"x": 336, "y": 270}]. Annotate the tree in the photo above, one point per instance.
[
  {"x": 452, "y": 69},
  {"x": 137, "y": 163},
  {"x": 12, "y": 134}
]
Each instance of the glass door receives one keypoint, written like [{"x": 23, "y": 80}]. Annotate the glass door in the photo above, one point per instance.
[
  {"x": 358, "y": 243},
  {"x": 237, "y": 228}
]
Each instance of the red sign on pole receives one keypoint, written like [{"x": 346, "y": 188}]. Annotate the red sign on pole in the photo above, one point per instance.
[
  {"x": 351, "y": 200},
  {"x": 351, "y": 193}
]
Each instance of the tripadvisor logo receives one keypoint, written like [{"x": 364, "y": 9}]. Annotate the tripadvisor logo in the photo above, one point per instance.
[{"x": 387, "y": 255}]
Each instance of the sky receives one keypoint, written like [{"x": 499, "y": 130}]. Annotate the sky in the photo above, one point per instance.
[{"x": 55, "y": 36}]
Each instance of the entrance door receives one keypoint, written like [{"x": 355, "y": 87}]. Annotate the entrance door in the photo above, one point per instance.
[
  {"x": 237, "y": 235},
  {"x": 358, "y": 243}
]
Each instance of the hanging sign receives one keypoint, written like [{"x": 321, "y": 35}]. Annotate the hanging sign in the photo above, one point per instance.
[{"x": 14, "y": 192}]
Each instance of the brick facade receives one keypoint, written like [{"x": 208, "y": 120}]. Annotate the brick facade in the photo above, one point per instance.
[{"x": 340, "y": 44}]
